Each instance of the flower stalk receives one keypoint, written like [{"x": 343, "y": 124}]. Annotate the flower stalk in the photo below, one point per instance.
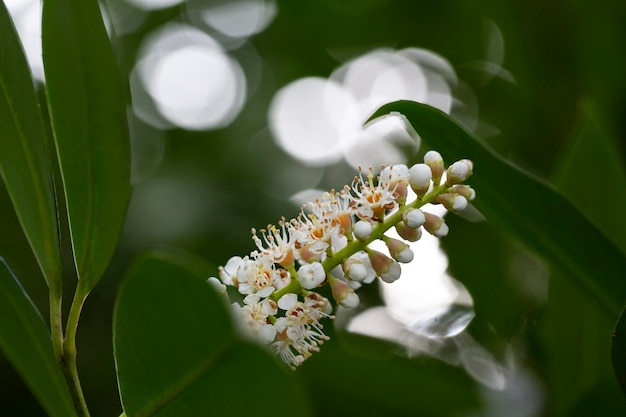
[{"x": 328, "y": 244}]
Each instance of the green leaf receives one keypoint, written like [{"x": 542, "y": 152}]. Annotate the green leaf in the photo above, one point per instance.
[
  {"x": 526, "y": 207},
  {"x": 591, "y": 174},
  {"x": 618, "y": 350},
  {"x": 25, "y": 341},
  {"x": 24, "y": 156},
  {"x": 177, "y": 352},
  {"x": 88, "y": 112},
  {"x": 358, "y": 386}
]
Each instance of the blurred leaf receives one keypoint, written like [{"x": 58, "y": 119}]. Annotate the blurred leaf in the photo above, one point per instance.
[
  {"x": 618, "y": 350},
  {"x": 24, "y": 156},
  {"x": 591, "y": 174},
  {"x": 367, "y": 387},
  {"x": 177, "y": 353},
  {"x": 25, "y": 342},
  {"x": 88, "y": 112},
  {"x": 604, "y": 399},
  {"x": 526, "y": 207}
]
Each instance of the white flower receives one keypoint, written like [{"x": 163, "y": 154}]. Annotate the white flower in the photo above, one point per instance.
[
  {"x": 256, "y": 276},
  {"x": 299, "y": 332},
  {"x": 228, "y": 273},
  {"x": 371, "y": 201},
  {"x": 277, "y": 241},
  {"x": 254, "y": 317}
]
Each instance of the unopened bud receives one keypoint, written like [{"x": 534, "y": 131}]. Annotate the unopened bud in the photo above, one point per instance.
[
  {"x": 434, "y": 160},
  {"x": 419, "y": 178},
  {"x": 343, "y": 294},
  {"x": 399, "y": 250},
  {"x": 311, "y": 275},
  {"x": 459, "y": 172},
  {"x": 408, "y": 233},
  {"x": 452, "y": 201},
  {"x": 386, "y": 268},
  {"x": 435, "y": 225},
  {"x": 362, "y": 229},
  {"x": 465, "y": 190},
  {"x": 413, "y": 218},
  {"x": 354, "y": 269}
]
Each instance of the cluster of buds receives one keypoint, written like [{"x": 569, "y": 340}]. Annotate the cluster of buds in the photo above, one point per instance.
[{"x": 327, "y": 245}]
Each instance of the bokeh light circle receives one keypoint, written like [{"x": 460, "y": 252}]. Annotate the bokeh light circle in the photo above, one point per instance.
[{"x": 192, "y": 82}]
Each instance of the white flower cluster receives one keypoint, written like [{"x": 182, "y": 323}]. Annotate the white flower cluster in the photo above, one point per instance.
[{"x": 327, "y": 245}]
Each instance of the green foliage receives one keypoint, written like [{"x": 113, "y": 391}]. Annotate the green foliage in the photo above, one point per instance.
[
  {"x": 25, "y": 341},
  {"x": 591, "y": 145},
  {"x": 88, "y": 110},
  {"x": 591, "y": 173},
  {"x": 177, "y": 352},
  {"x": 525, "y": 207},
  {"x": 24, "y": 154}
]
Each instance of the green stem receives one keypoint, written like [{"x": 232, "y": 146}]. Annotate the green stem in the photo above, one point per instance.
[
  {"x": 293, "y": 287},
  {"x": 358, "y": 245},
  {"x": 69, "y": 350},
  {"x": 55, "y": 292}
]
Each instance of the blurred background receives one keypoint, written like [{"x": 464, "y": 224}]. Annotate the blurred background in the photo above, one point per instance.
[{"x": 240, "y": 110}]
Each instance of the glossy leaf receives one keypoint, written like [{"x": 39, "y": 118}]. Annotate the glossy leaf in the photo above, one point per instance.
[
  {"x": 587, "y": 188},
  {"x": 25, "y": 341},
  {"x": 618, "y": 350},
  {"x": 24, "y": 157},
  {"x": 525, "y": 207},
  {"x": 88, "y": 111},
  {"x": 177, "y": 353},
  {"x": 591, "y": 174}
]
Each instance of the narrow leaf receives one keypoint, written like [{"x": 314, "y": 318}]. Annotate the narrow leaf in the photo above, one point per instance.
[
  {"x": 526, "y": 207},
  {"x": 88, "y": 111},
  {"x": 177, "y": 353},
  {"x": 24, "y": 156},
  {"x": 25, "y": 341}
]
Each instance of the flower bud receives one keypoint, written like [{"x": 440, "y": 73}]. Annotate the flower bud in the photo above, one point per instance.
[
  {"x": 435, "y": 225},
  {"x": 452, "y": 201},
  {"x": 354, "y": 269},
  {"x": 413, "y": 218},
  {"x": 408, "y": 233},
  {"x": 362, "y": 229},
  {"x": 311, "y": 275},
  {"x": 465, "y": 190},
  {"x": 343, "y": 294},
  {"x": 434, "y": 160},
  {"x": 386, "y": 268},
  {"x": 459, "y": 172},
  {"x": 399, "y": 250},
  {"x": 419, "y": 178}
]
